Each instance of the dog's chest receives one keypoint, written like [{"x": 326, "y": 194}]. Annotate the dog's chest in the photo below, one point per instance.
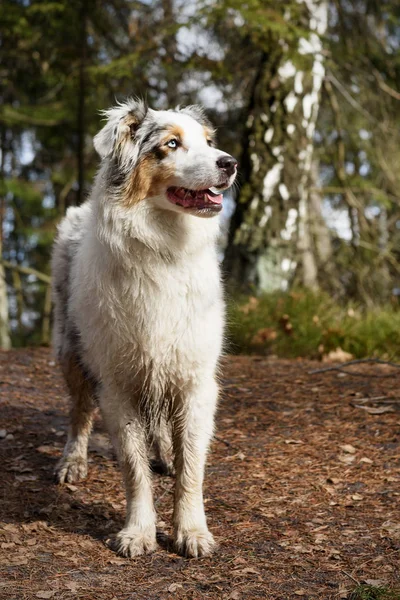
[
  {"x": 172, "y": 304},
  {"x": 168, "y": 317}
]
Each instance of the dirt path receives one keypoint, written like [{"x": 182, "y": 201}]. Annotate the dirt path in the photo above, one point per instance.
[{"x": 302, "y": 490}]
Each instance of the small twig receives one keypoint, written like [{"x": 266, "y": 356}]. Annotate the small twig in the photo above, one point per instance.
[
  {"x": 351, "y": 577},
  {"x": 233, "y": 446},
  {"x": 379, "y": 399},
  {"x": 26, "y": 270},
  {"x": 384, "y": 86},
  {"x": 339, "y": 86},
  {"x": 219, "y": 439},
  {"x": 356, "y": 362},
  {"x": 165, "y": 492}
]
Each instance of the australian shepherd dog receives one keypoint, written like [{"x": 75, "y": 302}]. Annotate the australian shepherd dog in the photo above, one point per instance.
[{"x": 139, "y": 312}]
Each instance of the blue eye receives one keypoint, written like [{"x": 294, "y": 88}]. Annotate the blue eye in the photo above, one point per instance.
[{"x": 172, "y": 143}]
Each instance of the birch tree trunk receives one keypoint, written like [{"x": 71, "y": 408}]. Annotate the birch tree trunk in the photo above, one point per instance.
[
  {"x": 269, "y": 234},
  {"x": 5, "y": 340}
]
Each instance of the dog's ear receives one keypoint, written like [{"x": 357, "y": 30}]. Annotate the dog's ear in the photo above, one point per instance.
[{"x": 123, "y": 121}]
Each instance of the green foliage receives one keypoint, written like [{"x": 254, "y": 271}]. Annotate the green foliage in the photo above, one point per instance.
[
  {"x": 369, "y": 592},
  {"x": 25, "y": 190},
  {"x": 303, "y": 323}
]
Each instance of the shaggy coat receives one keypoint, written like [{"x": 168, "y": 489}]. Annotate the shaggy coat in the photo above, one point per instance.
[{"x": 139, "y": 312}]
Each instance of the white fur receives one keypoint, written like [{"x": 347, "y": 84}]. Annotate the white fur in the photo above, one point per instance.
[{"x": 144, "y": 294}]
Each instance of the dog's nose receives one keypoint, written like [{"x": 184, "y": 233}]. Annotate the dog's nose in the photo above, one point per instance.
[{"x": 227, "y": 163}]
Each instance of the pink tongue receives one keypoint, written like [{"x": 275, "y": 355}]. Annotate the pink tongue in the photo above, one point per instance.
[{"x": 215, "y": 199}]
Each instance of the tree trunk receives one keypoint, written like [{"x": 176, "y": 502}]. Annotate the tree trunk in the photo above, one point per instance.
[
  {"x": 269, "y": 232},
  {"x": 81, "y": 104},
  {"x": 172, "y": 73},
  {"x": 5, "y": 340}
]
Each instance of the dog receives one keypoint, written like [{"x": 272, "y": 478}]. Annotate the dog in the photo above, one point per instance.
[{"x": 139, "y": 312}]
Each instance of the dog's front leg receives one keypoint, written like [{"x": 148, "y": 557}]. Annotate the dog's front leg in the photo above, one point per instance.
[
  {"x": 128, "y": 435},
  {"x": 192, "y": 432}
]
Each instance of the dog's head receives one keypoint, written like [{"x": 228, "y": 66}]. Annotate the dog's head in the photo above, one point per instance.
[{"x": 164, "y": 157}]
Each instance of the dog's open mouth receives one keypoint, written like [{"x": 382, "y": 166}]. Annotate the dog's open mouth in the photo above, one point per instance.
[{"x": 210, "y": 199}]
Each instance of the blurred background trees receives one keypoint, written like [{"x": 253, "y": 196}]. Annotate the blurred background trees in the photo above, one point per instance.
[{"x": 305, "y": 93}]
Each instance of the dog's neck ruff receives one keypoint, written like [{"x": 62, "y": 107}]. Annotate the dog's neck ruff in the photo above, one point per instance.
[{"x": 165, "y": 233}]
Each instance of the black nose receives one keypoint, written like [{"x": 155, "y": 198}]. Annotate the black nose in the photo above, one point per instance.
[{"x": 227, "y": 163}]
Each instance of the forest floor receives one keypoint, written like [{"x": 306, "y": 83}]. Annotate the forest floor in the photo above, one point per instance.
[{"x": 302, "y": 490}]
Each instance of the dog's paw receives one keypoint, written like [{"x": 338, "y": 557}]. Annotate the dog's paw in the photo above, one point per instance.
[
  {"x": 131, "y": 543},
  {"x": 194, "y": 543},
  {"x": 70, "y": 469}
]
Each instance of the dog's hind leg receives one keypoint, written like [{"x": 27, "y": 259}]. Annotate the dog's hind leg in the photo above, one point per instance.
[
  {"x": 128, "y": 434},
  {"x": 73, "y": 464},
  {"x": 193, "y": 429},
  {"x": 163, "y": 459}
]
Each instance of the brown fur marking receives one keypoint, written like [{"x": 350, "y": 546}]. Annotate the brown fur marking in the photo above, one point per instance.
[
  {"x": 209, "y": 133},
  {"x": 81, "y": 392},
  {"x": 148, "y": 179}
]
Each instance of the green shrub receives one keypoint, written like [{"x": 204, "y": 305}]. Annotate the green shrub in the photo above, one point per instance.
[
  {"x": 369, "y": 592},
  {"x": 303, "y": 323}
]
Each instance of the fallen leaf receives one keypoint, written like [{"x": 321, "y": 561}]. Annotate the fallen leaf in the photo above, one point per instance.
[
  {"x": 35, "y": 526},
  {"x": 239, "y": 456},
  {"x": 44, "y": 594},
  {"x": 23, "y": 478},
  {"x": 302, "y": 549},
  {"x": 250, "y": 570},
  {"x": 335, "y": 481},
  {"x": 72, "y": 488},
  {"x": 337, "y": 355},
  {"x": 347, "y": 459},
  {"x": 300, "y": 592},
  {"x": 17, "y": 561},
  {"x": 46, "y": 449},
  {"x": 366, "y": 460},
  {"x": 374, "y": 582},
  {"x": 239, "y": 560},
  {"x": 10, "y": 527},
  {"x": 31, "y": 542},
  {"x": 235, "y": 595},
  {"x": 378, "y": 410},
  {"x": 392, "y": 528},
  {"x": 348, "y": 448},
  {"x": 174, "y": 586},
  {"x": 357, "y": 497}
]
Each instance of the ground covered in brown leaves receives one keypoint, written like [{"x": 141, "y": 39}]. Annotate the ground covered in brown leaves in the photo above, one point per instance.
[{"x": 302, "y": 490}]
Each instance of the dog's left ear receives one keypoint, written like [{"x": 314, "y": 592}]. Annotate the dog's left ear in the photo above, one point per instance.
[{"x": 123, "y": 121}]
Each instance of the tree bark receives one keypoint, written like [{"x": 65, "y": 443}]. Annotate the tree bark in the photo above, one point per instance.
[
  {"x": 81, "y": 130},
  {"x": 5, "y": 340},
  {"x": 269, "y": 232}
]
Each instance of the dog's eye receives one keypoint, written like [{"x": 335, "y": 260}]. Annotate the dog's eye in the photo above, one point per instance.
[
  {"x": 210, "y": 143},
  {"x": 172, "y": 143}
]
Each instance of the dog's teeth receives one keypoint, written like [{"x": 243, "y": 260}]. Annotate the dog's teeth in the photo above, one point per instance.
[{"x": 214, "y": 190}]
